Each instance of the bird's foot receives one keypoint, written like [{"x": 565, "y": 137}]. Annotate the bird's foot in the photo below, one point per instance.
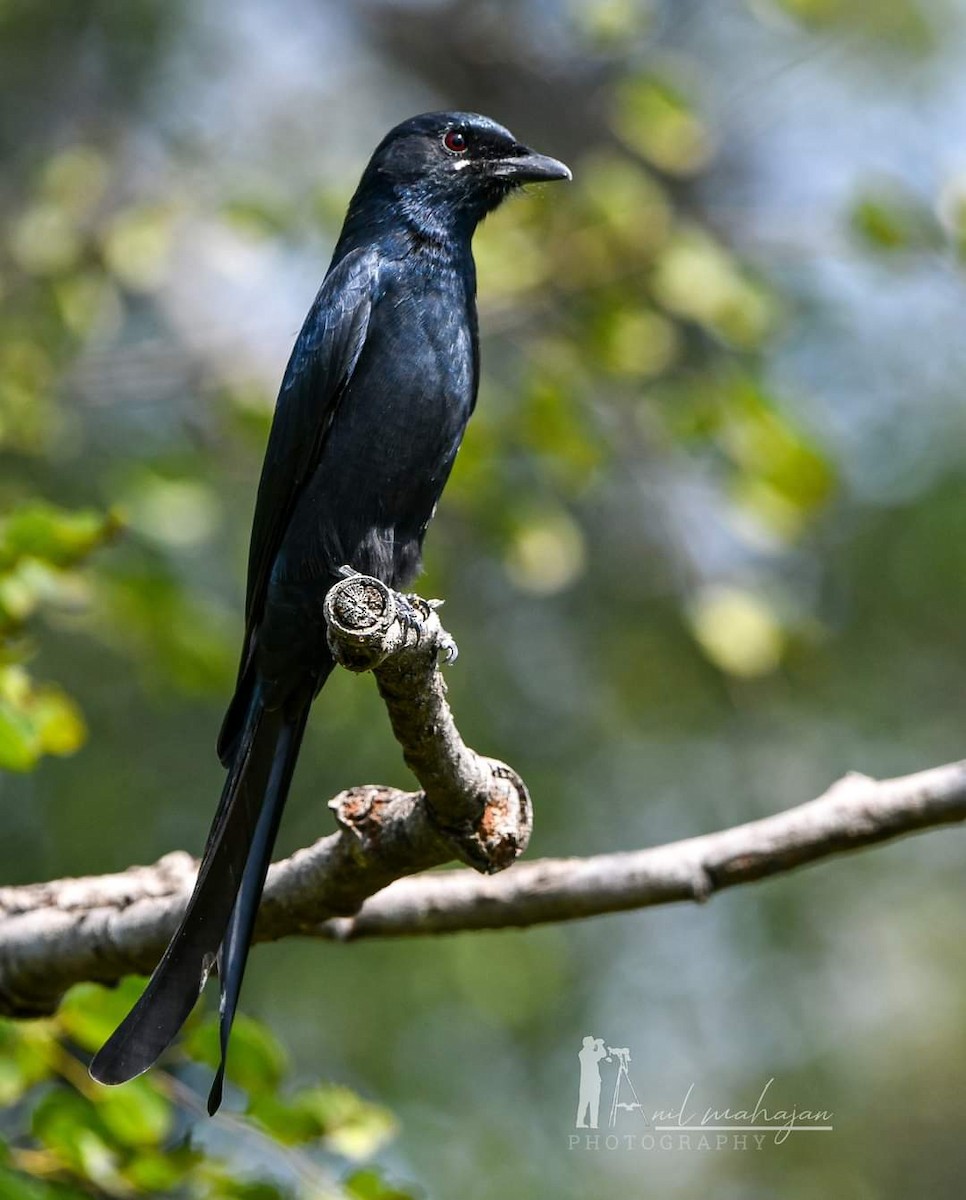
[
  {"x": 410, "y": 613},
  {"x": 409, "y": 617}
]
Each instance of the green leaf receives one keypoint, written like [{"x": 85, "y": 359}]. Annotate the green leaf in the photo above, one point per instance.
[
  {"x": 697, "y": 278},
  {"x": 67, "y": 1125},
  {"x": 136, "y": 1114},
  {"x": 285, "y": 1121},
  {"x": 368, "y": 1184},
  {"x": 350, "y": 1125},
  {"x": 35, "y": 721},
  {"x": 19, "y": 596},
  {"x": 227, "y": 1187},
  {"x": 655, "y": 118},
  {"x": 15, "y": 1185},
  {"x": 25, "y": 1053},
  {"x": 90, "y": 1013},
  {"x": 58, "y": 721},
  {"x": 20, "y": 745},
  {"x": 256, "y": 1060},
  {"x": 766, "y": 446},
  {"x": 57, "y": 536},
  {"x": 737, "y": 630},
  {"x": 136, "y": 246},
  {"x": 160, "y": 1172},
  {"x": 890, "y": 219},
  {"x": 347, "y": 1124}
]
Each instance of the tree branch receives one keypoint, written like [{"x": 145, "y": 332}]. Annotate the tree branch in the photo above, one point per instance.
[
  {"x": 854, "y": 813},
  {"x": 474, "y": 809}
]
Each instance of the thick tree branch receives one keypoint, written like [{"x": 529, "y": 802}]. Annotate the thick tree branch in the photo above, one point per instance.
[
  {"x": 351, "y": 884},
  {"x": 854, "y": 813}
]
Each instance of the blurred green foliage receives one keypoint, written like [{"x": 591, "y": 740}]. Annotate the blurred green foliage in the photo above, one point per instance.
[
  {"x": 41, "y": 551},
  {"x": 69, "y": 1137}
]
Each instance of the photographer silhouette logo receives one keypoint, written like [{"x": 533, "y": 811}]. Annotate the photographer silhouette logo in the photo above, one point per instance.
[
  {"x": 591, "y": 1054},
  {"x": 685, "y": 1124}
]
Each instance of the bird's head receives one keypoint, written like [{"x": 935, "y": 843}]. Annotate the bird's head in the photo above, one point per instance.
[{"x": 449, "y": 169}]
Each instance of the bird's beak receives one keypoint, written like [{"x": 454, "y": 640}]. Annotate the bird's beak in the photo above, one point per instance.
[{"x": 530, "y": 167}]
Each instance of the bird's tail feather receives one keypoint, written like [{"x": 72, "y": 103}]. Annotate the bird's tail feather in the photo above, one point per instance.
[
  {"x": 237, "y": 939},
  {"x": 257, "y": 782}
]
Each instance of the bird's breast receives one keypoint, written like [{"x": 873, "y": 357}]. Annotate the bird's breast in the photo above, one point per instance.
[
  {"x": 413, "y": 387},
  {"x": 400, "y": 421}
]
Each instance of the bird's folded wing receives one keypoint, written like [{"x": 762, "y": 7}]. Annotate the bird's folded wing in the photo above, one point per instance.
[{"x": 322, "y": 362}]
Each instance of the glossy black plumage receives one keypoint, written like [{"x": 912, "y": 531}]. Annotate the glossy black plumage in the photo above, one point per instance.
[{"x": 371, "y": 412}]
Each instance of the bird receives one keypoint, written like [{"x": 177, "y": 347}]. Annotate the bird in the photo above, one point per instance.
[{"x": 373, "y": 405}]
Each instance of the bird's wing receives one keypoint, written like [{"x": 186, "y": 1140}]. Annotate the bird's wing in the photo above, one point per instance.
[
  {"x": 322, "y": 362},
  {"x": 325, "y": 355}
]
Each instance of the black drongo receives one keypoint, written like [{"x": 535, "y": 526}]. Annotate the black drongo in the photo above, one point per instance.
[{"x": 370, "y": 415}]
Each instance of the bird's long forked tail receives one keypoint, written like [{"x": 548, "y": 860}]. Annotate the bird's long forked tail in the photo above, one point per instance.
[
  {"x": 222, "y": 906},
  {"x": 238, "y": 937}
]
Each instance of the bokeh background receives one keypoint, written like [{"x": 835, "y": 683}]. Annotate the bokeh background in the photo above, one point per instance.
[{"x": 702, "y": 553}]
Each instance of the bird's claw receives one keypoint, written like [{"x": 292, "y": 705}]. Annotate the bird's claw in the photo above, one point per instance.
[
  {"x": 413, "y": 620},
  {"x": 408, "y": 618},
  {"x": 448, "y": 651},
  {"x": 347, "y": 572}
]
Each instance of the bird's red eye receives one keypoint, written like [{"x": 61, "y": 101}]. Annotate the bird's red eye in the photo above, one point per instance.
[{"x": 455, "y": 142}]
